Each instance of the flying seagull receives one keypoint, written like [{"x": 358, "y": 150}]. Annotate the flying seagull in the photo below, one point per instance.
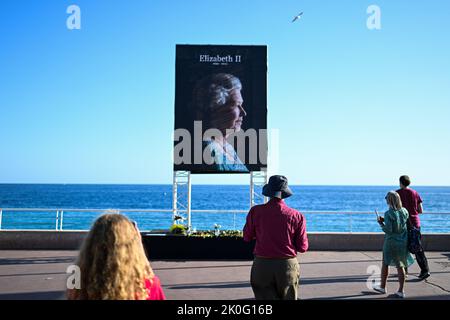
[{"x": 297, "y": 16}]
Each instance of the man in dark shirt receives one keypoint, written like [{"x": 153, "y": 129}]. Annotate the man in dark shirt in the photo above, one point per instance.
[
  {"x": 413, "y": 203},
  {"x": 280, "y": 233}
]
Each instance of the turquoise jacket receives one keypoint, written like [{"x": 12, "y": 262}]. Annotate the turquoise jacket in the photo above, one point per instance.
[{"x": 395, "y": 247}]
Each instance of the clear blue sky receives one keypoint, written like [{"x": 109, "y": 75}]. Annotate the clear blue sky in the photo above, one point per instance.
[{"x": 353, "y": 106}]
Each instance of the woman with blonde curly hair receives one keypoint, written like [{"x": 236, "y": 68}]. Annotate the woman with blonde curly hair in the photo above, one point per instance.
[
  {"x": 395, "y": 247},
  {"x": 113, "y": 264}
]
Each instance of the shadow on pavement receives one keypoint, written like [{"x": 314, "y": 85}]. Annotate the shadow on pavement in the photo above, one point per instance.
[
  {"x": 35, "y": 260},
  {"x": 46, "y": 295},
  {"x": 217, "y": 285}
]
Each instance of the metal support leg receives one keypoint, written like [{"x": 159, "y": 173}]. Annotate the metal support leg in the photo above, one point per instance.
[
  {"x": 257, "y": 180},
  {"x": 181, "y": 206}
]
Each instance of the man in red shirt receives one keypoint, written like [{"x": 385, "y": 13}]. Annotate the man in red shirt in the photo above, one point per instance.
[
  {"x": 280, "y": 233},
  {"x": 413, "y": 203}
]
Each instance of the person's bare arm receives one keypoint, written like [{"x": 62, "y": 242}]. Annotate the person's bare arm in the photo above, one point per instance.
[{"x": 420, "y": 209}]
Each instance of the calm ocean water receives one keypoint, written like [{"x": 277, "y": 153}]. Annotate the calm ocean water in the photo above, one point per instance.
[{"x": 229, "y": 197}]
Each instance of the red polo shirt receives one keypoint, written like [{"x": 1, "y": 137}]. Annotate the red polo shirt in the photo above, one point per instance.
[
  {"x": 411, "y": 200},
  {"x": 280, "y": 231}
]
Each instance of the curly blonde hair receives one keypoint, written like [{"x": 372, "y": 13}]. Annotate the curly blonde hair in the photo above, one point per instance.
[{"x": 112, "y": 261}]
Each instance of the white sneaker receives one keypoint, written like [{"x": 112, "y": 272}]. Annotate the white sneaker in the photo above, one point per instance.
[
  {"x": 379, "y": 289},
  {"x": 400, "y": 294}
]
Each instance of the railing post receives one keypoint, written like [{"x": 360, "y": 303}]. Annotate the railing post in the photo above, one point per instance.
[
  {"x": 61, "y": 221},
  {"x": 1, "y": 217},
  {"x": 350, "y": 222},
  {"x": 57, "y": 219}
]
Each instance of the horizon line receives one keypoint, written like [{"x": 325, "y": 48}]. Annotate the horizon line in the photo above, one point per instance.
[{"x": 208, "y": 184}]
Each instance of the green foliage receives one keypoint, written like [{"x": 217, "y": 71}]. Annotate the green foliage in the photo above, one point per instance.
[
  {"x": 178, "y": 229},
  {"x": 231, "y": 233},
  {"x": 202, "y": 234},
  {"x": 212, "y": 233}
]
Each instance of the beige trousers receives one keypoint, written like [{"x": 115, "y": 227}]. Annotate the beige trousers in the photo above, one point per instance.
[{"x": 275, "y": 279}]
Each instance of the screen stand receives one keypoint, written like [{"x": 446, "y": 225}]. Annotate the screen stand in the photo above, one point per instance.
[
  {"x": 181, "y": 206},
  {"x": 181, "y": 191},
  {"x": 257, "y": 181}
]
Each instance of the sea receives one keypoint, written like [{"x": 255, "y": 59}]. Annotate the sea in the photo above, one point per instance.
[{"x": 326, "y": 208}]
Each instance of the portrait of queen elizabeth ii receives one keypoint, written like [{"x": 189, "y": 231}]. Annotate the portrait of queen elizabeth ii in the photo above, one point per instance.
[{"x": 218, "y": 103}]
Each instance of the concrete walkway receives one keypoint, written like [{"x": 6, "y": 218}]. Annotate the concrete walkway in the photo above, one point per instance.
[{"x": 324, "y": 275}]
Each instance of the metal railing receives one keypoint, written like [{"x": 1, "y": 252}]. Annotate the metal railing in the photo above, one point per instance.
[{"x": 430, "y": 220}]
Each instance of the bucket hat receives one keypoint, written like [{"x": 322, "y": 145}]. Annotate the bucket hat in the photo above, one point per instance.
[{"x": 277, "y": 187}]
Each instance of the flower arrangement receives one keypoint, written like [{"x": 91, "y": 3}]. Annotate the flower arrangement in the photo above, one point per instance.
[
  {"x": 214, "y": 233},
  {"x": 178, "y": 229},
  {"x": 217, "y": 229}
]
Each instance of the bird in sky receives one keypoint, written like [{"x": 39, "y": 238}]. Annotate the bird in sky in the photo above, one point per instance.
[{"x": 297, "y": 16}]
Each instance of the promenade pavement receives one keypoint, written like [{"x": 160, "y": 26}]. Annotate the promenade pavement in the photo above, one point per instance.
[{"x": 324, "y": 275}]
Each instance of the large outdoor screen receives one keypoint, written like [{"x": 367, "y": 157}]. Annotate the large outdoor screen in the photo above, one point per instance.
[{"x": 220, "y": 108}]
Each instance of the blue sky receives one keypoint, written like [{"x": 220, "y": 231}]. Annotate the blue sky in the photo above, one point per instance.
[{"x": 353, "y": 106}]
